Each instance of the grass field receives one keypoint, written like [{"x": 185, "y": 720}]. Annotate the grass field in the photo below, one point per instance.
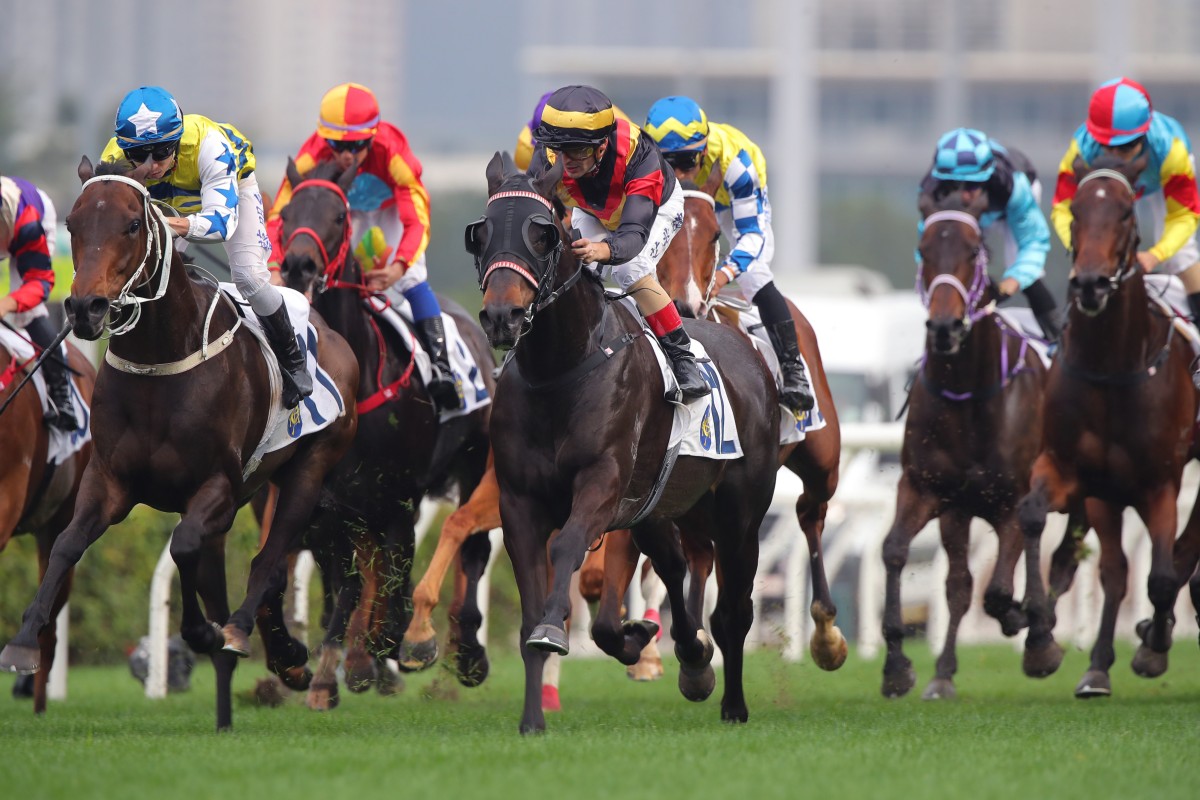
[{"x": 810, "y": 734}]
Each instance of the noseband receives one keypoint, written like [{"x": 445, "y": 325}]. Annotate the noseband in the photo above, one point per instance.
[
  {"x": 331, "y": 274},
  {"x": 973, "y": 296},
  {"x": 158, "y": 237}
]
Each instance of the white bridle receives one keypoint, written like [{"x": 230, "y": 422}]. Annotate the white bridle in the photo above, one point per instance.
[{"x": 712, "y": 279}]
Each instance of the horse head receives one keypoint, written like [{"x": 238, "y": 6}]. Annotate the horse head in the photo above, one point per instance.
[
  {"x": 114, "y": 233},
  {"x": 517, "y": 246},
  {"x": 687, "y": 267},
  {"x": 1104, "y": 233},
  {"x": 316, "y": 228},
  {"x": 952, "y": 279}
]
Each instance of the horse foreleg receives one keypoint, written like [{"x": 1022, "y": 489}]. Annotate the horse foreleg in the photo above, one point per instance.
[
  {"x": 470, "y": 656},
  {"x": 358, "y": 665},
  {"x": 1049, "y": 491},
  {"x": 525, "y": 533},
  {"x": 914, "y": 509},
  {"x": 286, "y": 657},
  {"x": 99, "y": 505},
  {"x": 698, "y": 550},
  {"x": 622, "y": 641},
  {"x": 1162, "y": 586},
  {"x": 48, "y": 638},
  {"x": 827, "y": 644},
  {"x": 1106, "y": 519},
  {"x": 654, "y": 592},
  {"x": 591, "y": 572},
  {"x": 1065, "y": 561},
  {"x": 956, "y": 539}
]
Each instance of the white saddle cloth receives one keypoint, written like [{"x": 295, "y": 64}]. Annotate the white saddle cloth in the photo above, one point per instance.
[
  {"x": 462, "y": 362},
  {"x": 63, "y": 444}
]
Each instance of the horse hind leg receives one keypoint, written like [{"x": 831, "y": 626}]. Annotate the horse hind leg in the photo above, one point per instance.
[
  {"x": 649, "y": 666},
  {"x": 827, "y": 644},
  {"x": 286, "y": 657},
  {"x": 623, "y": 641},
  {"x": 471, "y": 665}
]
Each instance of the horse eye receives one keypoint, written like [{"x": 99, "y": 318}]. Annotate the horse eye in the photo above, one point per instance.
[
  {"x": 135, "y": 226},
  {"x": 341, "y": 218}
]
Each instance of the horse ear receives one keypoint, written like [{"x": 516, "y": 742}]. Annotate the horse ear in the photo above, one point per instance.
[
  {"x": 346, "y": 179},
  {"x": 495, "y": 173},
  {"x": 979, "y": 205},
  {"x": 85, "y": 171},
  {"x": 1080, "y": 168},
  {"x": 293, "y": 173},
  {"x": 142, "y": 170},
  {"x": 926, "y": 205},
  {"x": 1136, "y": 166},
  {"x": 545, "y": 183}
]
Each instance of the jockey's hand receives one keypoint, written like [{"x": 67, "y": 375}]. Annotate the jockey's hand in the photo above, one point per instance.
[
  {"x": 7, "y": 305},
  {"x": 1008, "y": 287},
  {"x": 591, "y": 252},
  {"x": 720, "y": 280},
  {"x": 276, "y": 276},
  {"x": 179, "y": 225},
  {"x": 381, "y": 279},
  {"x": 1147, "y": 260}
]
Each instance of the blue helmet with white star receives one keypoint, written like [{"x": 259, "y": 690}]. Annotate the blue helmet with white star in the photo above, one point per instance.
[
  {"x": 148, "y": 115},
  {"x": 963, "y": 154}
]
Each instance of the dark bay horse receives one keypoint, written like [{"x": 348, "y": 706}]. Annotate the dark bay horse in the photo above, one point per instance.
[
  {"x": 176, "y": 414},
  {"x": 1120, "y": 414},
  {"x": 401, "y": 451},
  {"x": 686, "y": 273},
  {"x": 36, "y": 497},
  {"x": 973, "y": 429},
  {"x": 580, "y": 432}
]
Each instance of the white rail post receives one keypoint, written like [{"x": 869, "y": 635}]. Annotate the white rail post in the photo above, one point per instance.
[
  {"x": 160, "y": 613},
  {"x": 496, "y": 537},
  {"x": 56, "y": 681}
]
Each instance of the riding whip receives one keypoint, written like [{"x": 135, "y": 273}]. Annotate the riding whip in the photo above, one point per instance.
[
  {"x": 58, "y": 340},
  {"x": 53, "y": 357}
]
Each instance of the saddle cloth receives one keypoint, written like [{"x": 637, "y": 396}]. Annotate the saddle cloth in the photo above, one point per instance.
[
  {"x": 1168, "y": 291},
  {"x": 466, "y": 372},
  {"x": 62, "y": 444},
  {"x": 792, "y": 428},
  {"x": 314, "y": 413},
  {"x": 1022, "y": 321},
  {"x": 704, "y": 427}
]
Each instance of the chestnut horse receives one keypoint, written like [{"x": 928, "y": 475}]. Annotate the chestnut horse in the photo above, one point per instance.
[
  {"x": 401, "y": 451},
  {"x": 177, "y": 414},
  {"x": 1120, "y": 414},
  {"x": 37, "y": 497},
  {"x": 580, "y": 436},
  {"x": 688, "y": 265},
  {"x": 973, "y": 429}
]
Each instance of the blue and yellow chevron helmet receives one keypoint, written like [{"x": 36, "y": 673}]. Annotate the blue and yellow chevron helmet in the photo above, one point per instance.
[
  {"x": 575, "y": 116},
  {"x": 678, "y": 124},
  {"x": 963, "y": 154},
  {"x": 148, "y": 115}
]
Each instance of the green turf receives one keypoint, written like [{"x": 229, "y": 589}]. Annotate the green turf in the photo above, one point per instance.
[{"x": 811, "y": 734}]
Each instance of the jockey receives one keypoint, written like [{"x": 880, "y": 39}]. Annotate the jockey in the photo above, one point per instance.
[
  {"x": 697, "y": 148},
  {"x": 27, "y": 229},
  {"x": 526, "y": 144},
  {"x": 967, "y": 161},
  {"x": 389, "y": 214},
  {"x": 205, "y": 171},
  {"x": 1121, "y": 122},
  {"x": 626, "y": 206}
]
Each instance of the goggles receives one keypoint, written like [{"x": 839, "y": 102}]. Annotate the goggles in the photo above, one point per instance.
[{"x": 159, "y": 152}]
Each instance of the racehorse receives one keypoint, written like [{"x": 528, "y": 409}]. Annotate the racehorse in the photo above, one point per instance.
[
  {"x": 580, "y": 432},
  {"x": 401, "y": 451},
  {"x": 686, "y": 273},
  {"x": 973, "y": 429},
  {"x": 176, "y": 416},
  {"x": 37, "y": 497},
  {"x": 1120, "y": 414}
]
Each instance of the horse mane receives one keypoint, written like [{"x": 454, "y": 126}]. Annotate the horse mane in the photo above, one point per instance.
[{"x": 119, "y": 167}]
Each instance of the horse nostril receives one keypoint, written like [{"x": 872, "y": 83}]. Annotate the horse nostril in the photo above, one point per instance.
[
  {"x": 97, "y": 307},
  {"x": 516, "y": 315},
  {"x": 957, "y": 326}
]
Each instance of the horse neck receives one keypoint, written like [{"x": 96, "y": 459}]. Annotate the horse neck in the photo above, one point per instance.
[
  {"x": 564, "y": 332},
  {"x": 343, "y": 310},
  {"x": 171, "y": 327},
  {"x": 976, "y": 365},
  {"x": 1118, "y": 339}
]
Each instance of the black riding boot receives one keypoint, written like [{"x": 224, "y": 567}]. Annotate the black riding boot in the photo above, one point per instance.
[
  {"x": 691, "y": 383},
  {"x": 297, "y": 383},
  {"x": 62, "y": 416},
  {"x": 1045, "y": 311},
  {"x": 442, "y": 386},
  {"x": 797, "y": 393}
]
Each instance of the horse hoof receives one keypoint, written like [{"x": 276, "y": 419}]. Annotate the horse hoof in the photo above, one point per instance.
[
  {"x": 1041, "y": 662},
  {"x": 549, "y": 639},
  {"x": 387, "y": 679},
  {"x": 22, "y": 660},
  {"x": 360, "y": 675},
  {"x": 236, "y": 641},
  {"x": 829, "y": 650},
  {"x": 297, "y": 679},
  {"x": 471, "y": 666},
  {"x": 707, "y": 648},
  {"x": 1093, "y": 684},
  {"x": 939, "y": 689},
  {"x": 697, "y": 683},
  {"x": 550, "y": 700},
  {"x": 737, "y": 716},
  {"x": 648, "y": 668},
  {"x": 270, "y": 692},
  {"x": 1149, "y": 663},
  {"x": 898, "y": 681},
  {"x": 416, "y": 656},
  {"x": 322, "y": 697},
  {"x": 643, "y": 630}
]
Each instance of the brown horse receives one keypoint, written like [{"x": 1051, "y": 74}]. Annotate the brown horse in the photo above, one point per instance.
[
  {"x": 36, "y": 497},
  {"x": 686, "y": 273},
  {"x": 580, "y": 437},
  {"x": 401, "y": 452},
  {"x": 1120, "y": 413},
  {"x": 177, "y": 414},
  {"x": 973, "y": 429}
]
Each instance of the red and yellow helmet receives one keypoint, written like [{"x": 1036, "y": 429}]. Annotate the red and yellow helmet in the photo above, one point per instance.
[{"x": 349, "y": 112}]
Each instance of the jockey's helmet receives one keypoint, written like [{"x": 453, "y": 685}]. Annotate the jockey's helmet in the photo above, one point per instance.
[
  {"x": 349, "y": 113},
  {"x": 575, "y": 116},
  {"x": 536, "y": 119},
  {"x": 963, "y": 154},
  {"x": 678, "y": 124},
  {"x": 1119, "y": 112},
  {"x": 148, "y": 115}
]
